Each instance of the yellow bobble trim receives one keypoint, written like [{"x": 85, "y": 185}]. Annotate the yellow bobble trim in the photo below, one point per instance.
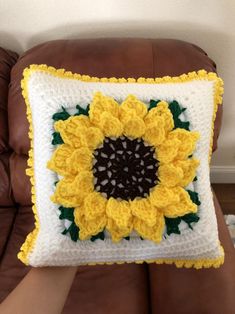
[{"x": 29, "y": 243}]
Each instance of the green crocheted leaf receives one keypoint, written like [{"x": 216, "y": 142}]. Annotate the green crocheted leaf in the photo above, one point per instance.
[
  {"x": 73, "y": 230},
  {"x": 172, "y": 225},
  {"x": 190, "y": 218},
  {"x": 63, "y": 115},
  {"x": 82, "y": 110},
  {"x": 56, "y": 138},
  {"x": 153, "y": 103},
  {"x": 99, "y": 235},
  {"x": 194, "y": 197},
  {"x": 66, "y": 213},
  {"x": 176, "y": 110}
]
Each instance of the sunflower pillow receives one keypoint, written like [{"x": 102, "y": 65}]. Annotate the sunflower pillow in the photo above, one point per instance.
[{"x": 120, "y": 169}]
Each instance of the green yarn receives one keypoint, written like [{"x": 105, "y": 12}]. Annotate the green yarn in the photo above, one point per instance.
[
  {"x": 66, "y": 213},
  {"x": 63, "y": 115},
  {"x": 172, "y": 225},
  {"x": 99, "y": 235},
  {"x": 190, "y": 218},
  {"x": 82, "y": 110},
  {"x": 127, "y": 238},
  {"x": 176, "y": 110},
  {"x": 194, "y": 197},
  {"x": 153, "y": 103},
  {"x": 56, "y": 138},
  {"x": 73, "y": 230}
]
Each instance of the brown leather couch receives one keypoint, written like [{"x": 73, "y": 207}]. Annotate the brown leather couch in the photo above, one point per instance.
[{"x": 130, "y": 288}]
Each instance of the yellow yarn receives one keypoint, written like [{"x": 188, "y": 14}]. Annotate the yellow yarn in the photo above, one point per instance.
[
  {"x": 167, "y": 152},
  {"x": 88, "y": 227},
  {"x": 170, "y": 174},
  {"x": 155, "y": 132},
  {"x": 163, "y": 111},
  {"x": 134, "y": 127},
  {"x": 171, "y": 146},
  {"x": 110, "y": 125},
  {"x": 162, "y": 196},
  {"x": 182, "y": 207},
  {"x": 188, "y": 167},
  {"x": 94, "y": 137},
  {"x": 60, "y": 155},
  {"x": 143, "y": 210},
  {"x": 116, "y": 232},
  {"x": 132, "y": 106},
  {"x": 94, "y": 206},
  {"x": 101, "y": 104},
  {"x": 187, "y": 140},
  {"x": 79, "y": 160},
  {"x": 153, "y": 233},
  {"x": 119, "y": 212}
]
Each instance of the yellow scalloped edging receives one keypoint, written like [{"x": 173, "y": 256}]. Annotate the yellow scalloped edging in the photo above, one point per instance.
[{"x": 29, "y": 243}]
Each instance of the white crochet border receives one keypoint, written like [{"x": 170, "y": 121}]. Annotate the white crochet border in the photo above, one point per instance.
[{"x": 47, "y": 94}]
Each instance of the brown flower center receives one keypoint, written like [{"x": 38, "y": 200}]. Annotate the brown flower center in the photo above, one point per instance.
[{"x": 125, "y": 168}]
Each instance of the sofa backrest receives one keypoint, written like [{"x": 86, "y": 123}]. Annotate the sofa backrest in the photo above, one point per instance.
[{"x": 101, "y": 58}]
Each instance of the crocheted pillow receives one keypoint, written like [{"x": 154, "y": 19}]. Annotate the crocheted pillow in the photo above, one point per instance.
[{"x": 120, "y": 169}]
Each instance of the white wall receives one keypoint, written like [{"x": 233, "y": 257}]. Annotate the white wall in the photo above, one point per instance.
[{"x": 207, "y": 23}]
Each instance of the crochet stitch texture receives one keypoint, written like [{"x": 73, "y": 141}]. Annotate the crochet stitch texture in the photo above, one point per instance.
[
  {"x": 109, "y": 162},
  {"x": 140, "y": 234}
]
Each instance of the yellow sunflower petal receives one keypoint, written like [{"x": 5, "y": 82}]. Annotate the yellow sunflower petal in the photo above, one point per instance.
[
  {"x": 94, "y": 137},
  {"x": 155, "y": 133},
  {"x": 66, "y": 193},
  {"x": 183, "y": 207},
  {"x": 88, "y": 228},
  {"x": 188, "y": 167},
  {"x": 72, "y": 123},
  {"x": 110, "y": 125},
  {"x": 117, "y": 233},
  {"x": 153, "y": 233},
  {"x": 94, "y": 205},
  {"x": 67, "y": 132},
  {"x": 119, "y": 212},
  {"x": 134, "y": 127},
  {"x": 170, "y": 175},
  {"x": 188, "y": 141},
  {"x": 101, "y": 104},
  {"x": 142, "y": 209},
  {"x": 161, "y": 111},
  {"x": 75, "y": 121},
  {"x": 80, "y": 159},
  {"x": 131, "y": 107},
  {"x": 161, "y": 196},
  {"x": 168, "y": 150},
  {"x": 84, "y": 182},
  {"x": 58, "y": 160}
]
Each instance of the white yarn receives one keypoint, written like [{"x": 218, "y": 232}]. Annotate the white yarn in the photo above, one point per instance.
[{"x": 47, "y": 94}]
